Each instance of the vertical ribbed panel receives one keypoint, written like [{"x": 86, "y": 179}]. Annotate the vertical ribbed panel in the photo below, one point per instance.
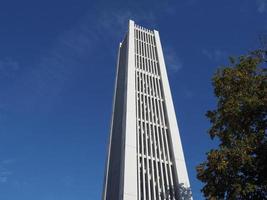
[{"x": 156, "y": 174}]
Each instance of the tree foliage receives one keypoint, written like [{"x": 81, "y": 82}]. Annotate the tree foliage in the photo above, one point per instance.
[
  {"x": 237, "y": 169},
  {"x": 181, "y": 192}
]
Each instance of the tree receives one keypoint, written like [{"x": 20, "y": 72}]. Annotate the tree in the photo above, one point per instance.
[
  {"x": 237, "y": 169},
  {"x": 181, "y": 192}
]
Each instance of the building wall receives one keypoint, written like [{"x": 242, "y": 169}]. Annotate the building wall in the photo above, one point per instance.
[
  {"x": 156, "y": 172},
  {"x": 116, "y": 150},
  {"x": 145, "y": 159}
]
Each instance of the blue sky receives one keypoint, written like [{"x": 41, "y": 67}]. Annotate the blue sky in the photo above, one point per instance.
[{"x": 57, "y": 72}]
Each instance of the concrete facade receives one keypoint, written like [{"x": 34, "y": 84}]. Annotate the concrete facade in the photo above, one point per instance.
[{"x": 145, "y": 158}]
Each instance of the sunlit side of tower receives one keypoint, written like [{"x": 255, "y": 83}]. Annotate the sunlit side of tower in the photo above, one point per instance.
[{"x": 145, "y": 157}]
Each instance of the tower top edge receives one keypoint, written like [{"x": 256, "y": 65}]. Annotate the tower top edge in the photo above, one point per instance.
[{"x": 132, "y": 23}]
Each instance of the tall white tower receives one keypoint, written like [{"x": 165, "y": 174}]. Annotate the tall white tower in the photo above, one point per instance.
[{"x": 145, "y": 157}]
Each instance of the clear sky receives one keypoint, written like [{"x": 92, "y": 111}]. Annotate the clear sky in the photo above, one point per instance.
[{"x": 57, "y": 73}]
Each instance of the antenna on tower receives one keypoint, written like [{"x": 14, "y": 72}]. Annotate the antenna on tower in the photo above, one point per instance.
[{"x": 263, "y": 45}]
